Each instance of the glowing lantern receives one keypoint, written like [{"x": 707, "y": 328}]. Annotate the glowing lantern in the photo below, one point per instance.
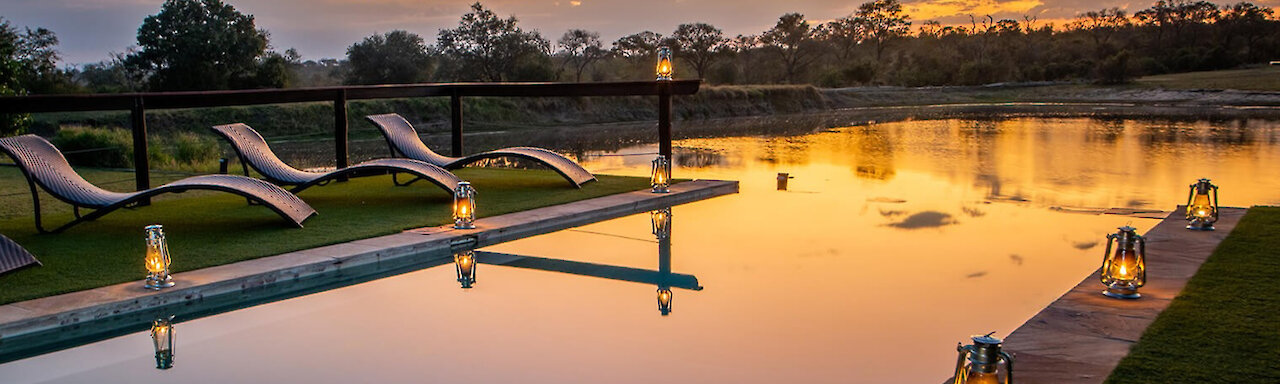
[
  {"x": 664, "y": 63},
  {"x": 1202, "y": 209},
  {"x": 157, "y": 258},
  {"x": 465, "y": 262},
  {"x": 1124, "y": 271},
  {"x": 162, "y": 337},
  {"x": 664, "y": 301},
  {"x": 464, "y": 206},
  {"x": 983, "y": 365},
  {"x": 661, "y": 177},
  {"x": 661, "y": 222}
]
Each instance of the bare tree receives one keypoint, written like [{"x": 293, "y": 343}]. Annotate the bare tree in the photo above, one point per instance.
[{"x": 581, "y": 48}]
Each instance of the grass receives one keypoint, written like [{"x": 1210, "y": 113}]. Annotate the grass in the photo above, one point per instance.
[
  {"x": 1253, "y": 79},
  {"x": 1225, "y": 325},
  {"x": 207, "y": 229}
]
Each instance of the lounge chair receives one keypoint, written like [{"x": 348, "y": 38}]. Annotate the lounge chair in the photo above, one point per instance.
[
  {"x": 254, "y": 152},
  {"x": 12, "y": 256},
  {"x": 403, "y": 140},
  {"x": 45, "y": 166}
]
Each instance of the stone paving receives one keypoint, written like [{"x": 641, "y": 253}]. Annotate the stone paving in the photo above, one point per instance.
[
  {"x": 67, "y": 311},
  {"x": 1081, "y": 337}
]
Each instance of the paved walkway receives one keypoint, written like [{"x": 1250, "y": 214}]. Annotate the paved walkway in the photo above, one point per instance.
[
  {"x": 282, "y": 273},
  {"x": 1082, "y": 336}
]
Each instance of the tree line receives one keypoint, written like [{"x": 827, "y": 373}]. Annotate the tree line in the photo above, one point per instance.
[{"x": 208, "y": 44}]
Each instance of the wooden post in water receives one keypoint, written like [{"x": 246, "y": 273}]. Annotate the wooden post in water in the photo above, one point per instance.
[
  {"x": 455, "y": 120},
  {"x": 141, "y": 162},
  {"x": 664, "y": 119},
  {"x": 341, "y": 132}
]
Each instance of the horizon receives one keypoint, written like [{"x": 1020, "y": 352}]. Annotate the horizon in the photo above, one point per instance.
[{"x": 90, "y": 30}]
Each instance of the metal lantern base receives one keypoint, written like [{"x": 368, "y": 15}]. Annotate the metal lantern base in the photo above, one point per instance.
[
  {"x": 158, "y": 284},
  {"x": 464, "y": 225},
  {"x": 164, "y": 360},
  {"x": 1200, "y": 227},
  {"x": 660, "y": 190},
  {"x": 1121, "y": 293}
]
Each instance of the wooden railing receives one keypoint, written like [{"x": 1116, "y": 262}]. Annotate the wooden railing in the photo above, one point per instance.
[{"x": 139, "y": 103}]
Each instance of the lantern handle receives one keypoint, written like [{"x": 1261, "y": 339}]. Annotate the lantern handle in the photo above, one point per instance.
[
  {"x": 1142, "y": 259},
  {"x": 1106, "y": 260},
  {"x": 1191, "y": 196},
  {"x": 1215, "y": 203},
  {"x": 1008, "y": 363},
  {"x": 960, "y": 366}
]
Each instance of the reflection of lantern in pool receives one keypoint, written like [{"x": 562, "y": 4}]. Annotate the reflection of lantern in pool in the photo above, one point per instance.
[
  {"x": 664, "y": 301},
  {"x": 157, "y": 258},
  {"x": 162, "y": 337},
  {"x": 660, "y": 179},
  {"x": 661, "y": 222},
  {"x": 664, "y": 68},
  {"x": 983, "y": 358},
  {"x": 1124, "y": 271},
  {"x": 464, "y": 206},
  {"x": 1202, "y": 209},
  {"x": 465, "y": 262}
]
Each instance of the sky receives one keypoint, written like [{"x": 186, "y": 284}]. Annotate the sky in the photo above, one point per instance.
[{"x": 90, "y": 30}]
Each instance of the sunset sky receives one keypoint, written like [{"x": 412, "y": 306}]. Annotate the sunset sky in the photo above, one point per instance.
[{"x": 90, "y": 29}]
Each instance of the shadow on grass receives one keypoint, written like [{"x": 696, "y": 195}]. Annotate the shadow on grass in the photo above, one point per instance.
[{"x": 208, "y": 229}]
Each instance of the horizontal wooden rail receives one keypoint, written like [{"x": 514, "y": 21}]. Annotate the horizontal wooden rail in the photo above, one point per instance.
[{"x": 202, "y": 99}]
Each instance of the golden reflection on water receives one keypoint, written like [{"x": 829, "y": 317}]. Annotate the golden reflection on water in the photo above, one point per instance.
[{"x": 893, "y": 242}]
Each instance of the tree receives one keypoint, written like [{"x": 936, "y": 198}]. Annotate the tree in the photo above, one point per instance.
[
  {"x": 397, "y": 57},
  {"x": 792, "y": 39},
  {"x": 642, "y": 44},
  {"x": 883, "y": 20},
  {"x": 699, "y": 44},
  {"x": 10, "y": 72},
  {"x": 201, "y": 44},
  {"x": 581, "y": 48},
  {"x": 1245, "y": 21},
  {"x": 845, "y": 33},
  {"x": 486, "y": 47}
]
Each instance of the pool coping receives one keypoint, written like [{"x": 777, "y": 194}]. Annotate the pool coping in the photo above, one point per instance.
[
  {"x": 411, "y": 246},
  {"x": 1083, "y": 335}
]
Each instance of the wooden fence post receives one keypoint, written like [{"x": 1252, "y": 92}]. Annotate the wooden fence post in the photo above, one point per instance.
[
  {"x": 341, "y": 130},
  {"x": 455, "y": 119},
  {"x": 141, "y": 161},
  {"x": 664, "y": 119}
]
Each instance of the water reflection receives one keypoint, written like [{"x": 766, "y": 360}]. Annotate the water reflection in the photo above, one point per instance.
[{"x": 971, "y": 208}]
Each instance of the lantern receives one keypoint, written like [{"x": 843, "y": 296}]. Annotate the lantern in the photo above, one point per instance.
[
  {"x": 664, "y": 68},
  {"x": 157, "y": 258},
  {"x": 464, "y": 206},
  {"x": 661, "y": 223},
  {"x": 162, "y": 337},
  {"x": 465, "y": 262},
  {"x": 661, "y": 177},
  {"x": 1124, "y": 271},
  {"x": 1202, "y": 209},
  {"x": 664, "y": 300},
  {"x": 983, "y": 366}
]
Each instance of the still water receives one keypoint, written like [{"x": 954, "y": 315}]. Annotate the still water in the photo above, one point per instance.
[{"x": 891, "y": 243}]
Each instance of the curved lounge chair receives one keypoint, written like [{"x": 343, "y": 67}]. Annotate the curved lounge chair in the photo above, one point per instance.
[
  {"x": 404, "y": 140},
  {"x": 254, "y": 152},
  {"x": 12, "y": 256},
  {"x": 44, "y": 165}
]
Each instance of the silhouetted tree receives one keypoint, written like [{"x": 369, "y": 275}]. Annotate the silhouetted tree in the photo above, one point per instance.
[
  {"x": 642, "y": 44},
  {"x": 202, "y": 44},
  {"x": 792, "y": 38},
  {"x": 882, "y": 21},
  {"x": 699, "y": 44},
  {"x": 486, "y": 47},
  {"x": 581, "y": 48},
  {"x": 396, "y": 57}
]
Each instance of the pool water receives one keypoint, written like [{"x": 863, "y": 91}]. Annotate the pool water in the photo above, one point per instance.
[{"x": 891, "y": 243}]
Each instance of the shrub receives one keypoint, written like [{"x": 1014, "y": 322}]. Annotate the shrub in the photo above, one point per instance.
[{"x": 96, "y": 147}]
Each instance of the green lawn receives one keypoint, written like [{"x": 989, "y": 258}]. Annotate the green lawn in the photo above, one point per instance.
[
  {"x": 207, "y": 229},
  {"x": 1225, "y": 325},
  {"x": 1253, "y": 79}
]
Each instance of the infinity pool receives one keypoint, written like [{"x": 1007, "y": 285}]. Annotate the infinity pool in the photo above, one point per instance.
[{"x": 891, "y": 243}]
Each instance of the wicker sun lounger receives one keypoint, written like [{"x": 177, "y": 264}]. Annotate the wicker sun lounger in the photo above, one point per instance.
[
  {"x": 45, "y": 166},
  {"x": 404, "y": 140},
  {"x": 254, "y": 152},
  {"x": 12, "y": 256}
]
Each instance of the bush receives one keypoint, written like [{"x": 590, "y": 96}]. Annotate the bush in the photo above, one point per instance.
[
  {"x": 96, "y": 147},
  {"x": 1115, "y": 69}
]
